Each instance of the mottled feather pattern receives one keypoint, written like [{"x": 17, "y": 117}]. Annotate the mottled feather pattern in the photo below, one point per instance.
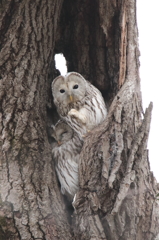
[
  {"x": 91, "y": 105},
  {"x": 82, "y": 107},
  {"x": 66, "y": 158}
]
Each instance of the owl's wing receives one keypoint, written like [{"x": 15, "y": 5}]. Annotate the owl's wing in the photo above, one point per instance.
[
  {"x": 67, "y": 169},
  {"x": 68, "y": 177},
  {"x": 95, "y": 108}
]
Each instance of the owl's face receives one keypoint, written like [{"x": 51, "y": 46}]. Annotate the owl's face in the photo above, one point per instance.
[
  {"x": 62, "y": 132},
  {"x": 69, "y": 88}
]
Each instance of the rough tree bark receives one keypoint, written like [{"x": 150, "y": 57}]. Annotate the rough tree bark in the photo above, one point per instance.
[{"x": 117, "y": 196}]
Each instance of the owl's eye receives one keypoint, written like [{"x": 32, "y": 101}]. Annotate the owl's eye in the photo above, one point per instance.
[
  {"x": 63, "y": 134},
  {"x": 75, "y": 86},
  {"x": 62, "y": 90}
]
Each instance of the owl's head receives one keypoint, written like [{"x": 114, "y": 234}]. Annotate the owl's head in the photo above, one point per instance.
[
  {"x": 69, "y": 88},
  {"x": 62, "y": 132}
]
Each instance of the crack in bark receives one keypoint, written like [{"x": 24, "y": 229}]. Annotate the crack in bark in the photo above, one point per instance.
[{"x": 8, "y": 177}]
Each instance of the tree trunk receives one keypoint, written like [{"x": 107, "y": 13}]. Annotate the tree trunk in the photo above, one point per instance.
[
  {"x": 117, "y": 195},
  {"x": 31, "y": 203}
]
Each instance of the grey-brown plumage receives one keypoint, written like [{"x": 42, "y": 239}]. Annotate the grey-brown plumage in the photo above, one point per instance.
[
  {"x": 78, "y": 102},
  {"x": 66, "y": 157}
]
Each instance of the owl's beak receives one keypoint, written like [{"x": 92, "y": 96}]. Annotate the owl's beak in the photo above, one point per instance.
[
  {"x": 71, "y": 98},
  {"x": 59, "y": 143}
]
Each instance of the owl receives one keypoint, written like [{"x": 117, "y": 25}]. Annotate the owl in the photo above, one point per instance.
[
  {"x": 66, "y": 156},
  {"x": 78, "y": 102}
]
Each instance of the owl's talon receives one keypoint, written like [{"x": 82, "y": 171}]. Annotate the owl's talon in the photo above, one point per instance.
[{"x": 73, "y": 112}]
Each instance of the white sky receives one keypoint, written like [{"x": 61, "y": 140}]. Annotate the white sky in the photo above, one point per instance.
[
  {"x": 148, "y": 26},
  {"x": 61, "y": 63}
]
